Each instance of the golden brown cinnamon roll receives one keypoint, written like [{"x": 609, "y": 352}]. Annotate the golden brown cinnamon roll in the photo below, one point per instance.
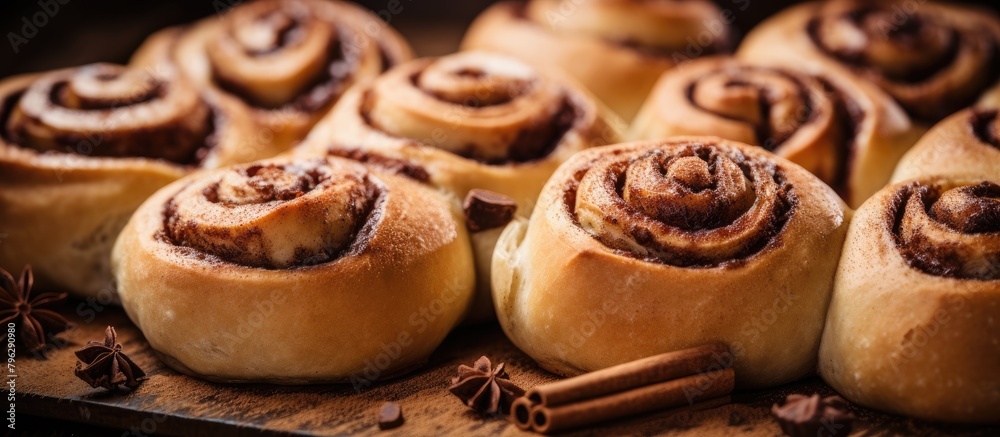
[
  {"x": 966, "y": 144},
  {"x": 912, "y": 322},
  {"x": 465, "y": 121},
  {"x": 616, "y": 48},
  {"x": 295, "y": 271},
  {"x": 844, "y": 131},
  {"x": 642, "y": 248},
  {"x": 933, "y": 58},
  {"x": 280, "y": 64},
  {"x": 81, "y": 148}
]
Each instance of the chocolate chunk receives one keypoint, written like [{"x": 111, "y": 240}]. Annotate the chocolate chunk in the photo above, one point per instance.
[
  {"x": 390, "y": 416},
  {"x": 806, "y": 416},
  {"x": 485, "y": 210}
]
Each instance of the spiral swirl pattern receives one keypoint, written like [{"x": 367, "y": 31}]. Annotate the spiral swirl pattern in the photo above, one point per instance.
[
  {"x": 694, "y": 204},
  {"x": 798, "y": 116},
  {"x": 950, "y": 230},
  {"x": 298, "y": 53},
  {"x": 773, "y": 102},
  {"x": 481, "y": 106},
  {"x": 933, "y": 59},
  {"x": 274, "y": 215},
  {"x": 648, "y": 233},
  {"x": 109, "y": 110}
]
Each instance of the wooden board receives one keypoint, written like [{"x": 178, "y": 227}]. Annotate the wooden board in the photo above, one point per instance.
[{"x": 174, "y": 404}]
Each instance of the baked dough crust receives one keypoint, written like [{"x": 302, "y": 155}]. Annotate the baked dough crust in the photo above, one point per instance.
[
  {"x": 429, "y": 127},
  {"x": 374, "y": 309},
  {"x": 845, "y": 131},
  {"x": 907, "y": 341},
  {"x": 590, "y": 41},
  {"x": 963, "y": 145},
  {"x": 575, "y": 305}
]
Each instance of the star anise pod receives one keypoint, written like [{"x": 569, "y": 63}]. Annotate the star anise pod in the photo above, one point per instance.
[
  {"x": 485, "y": 389},
  {"x": 17, "y": 303},
  {"x": 105, "y": 365},
  {"x": 807, "y": 415}
]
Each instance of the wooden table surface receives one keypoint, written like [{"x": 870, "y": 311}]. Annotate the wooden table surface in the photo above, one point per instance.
[{"x": 174, "y": 404}]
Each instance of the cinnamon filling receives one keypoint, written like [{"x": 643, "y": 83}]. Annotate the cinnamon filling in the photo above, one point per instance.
[
  {"x": 774, "y": 102},
  {"x": 398, "y": 166},
  {"x": 285, "y": 55},
  {"x": 465, "y": 95},
  {"x": 850, "y": 117},
  {"x": 985, "y": 127},
  {"x": 95, "y": 111},
  {"x": 312, "y": 96},
  {"x": 931, "y": 66},
  {"x": 777, "y": 105},
  {"x": 950, "y": 232},
  {"x": 275, "y": 216},
  {"x": 694, "y": 206}
]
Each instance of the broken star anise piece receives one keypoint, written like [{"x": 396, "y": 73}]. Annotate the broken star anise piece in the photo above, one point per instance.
[
  {"x": 803, "y": 415},
  {"x": 485, "y": 389},
  {"x": 16, "y": 303},
  {"x": 105, "y": 365}
]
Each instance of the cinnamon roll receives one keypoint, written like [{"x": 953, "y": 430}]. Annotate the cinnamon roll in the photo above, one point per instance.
[
  {"x": 933, "y": 58},
  {"x": 642, "y": 248},
  {"x": 80, "y": 149},
  {"x": 912, "y": 322},
  {"x": 846, "y": 132},
  {"x": 279, "y": 64},
  {"x": 294, "y": 271},
  {"x": 616, "y": 48},
  {"x": 966, "y": 144},
  {"x": 466, "y": 121}
]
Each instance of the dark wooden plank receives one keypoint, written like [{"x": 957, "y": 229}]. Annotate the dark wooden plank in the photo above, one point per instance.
[{"x": 175, "y": 404}]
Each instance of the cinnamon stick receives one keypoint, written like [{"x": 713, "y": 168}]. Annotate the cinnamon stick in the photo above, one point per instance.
[
  {"x": 520, "y": 412},
  {"x": 643, "y": 372},
  {"x": 674, "y": 393}
]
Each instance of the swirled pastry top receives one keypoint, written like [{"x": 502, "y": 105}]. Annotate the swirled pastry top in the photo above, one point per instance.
[
  {"x": 948, "y": 229},
  {"x": 345, "y": 252},
  {"x": 798, "y": 116},
  {"x": 483, "y": 107},
  {"x": 691, "y": 202},
  {"x": 106, "y": 110},
  {"x": 274, "y": 215},
  {"x": 844, "y": 130},
  {"x": 300, "y": 54},
  {"x": 933, "y": 58}
]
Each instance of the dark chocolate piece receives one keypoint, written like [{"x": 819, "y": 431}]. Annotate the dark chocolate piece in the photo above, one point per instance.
[
  {"x": 486, "y": 210},
  {"x": 803, "y": 416},
  {"x": 390, "y": 416}
]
